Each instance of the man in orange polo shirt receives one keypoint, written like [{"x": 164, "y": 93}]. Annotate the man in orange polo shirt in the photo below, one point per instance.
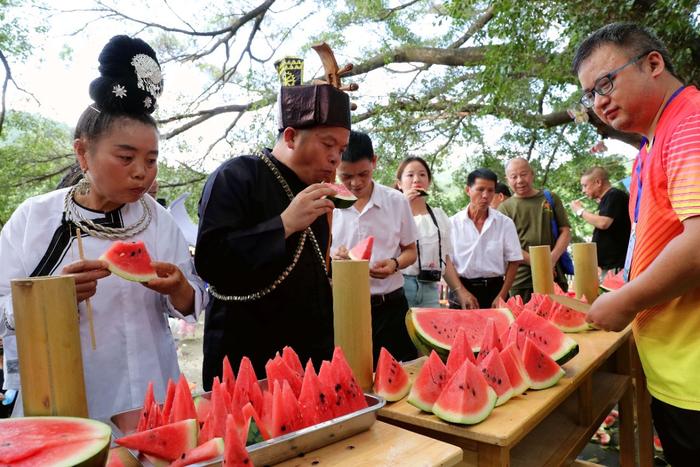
[{"x": 629, "y": 82}]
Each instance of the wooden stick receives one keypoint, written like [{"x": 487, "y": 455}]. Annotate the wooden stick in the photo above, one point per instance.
[{"x": 91, "y": 323}]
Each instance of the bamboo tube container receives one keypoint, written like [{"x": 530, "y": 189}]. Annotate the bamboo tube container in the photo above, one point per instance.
[
  {"x": 541, "y": 266},
  {"x": 352, "y": 317},
  {"x": 586, "y": 279},
  {"x": 48, "y": 346}
]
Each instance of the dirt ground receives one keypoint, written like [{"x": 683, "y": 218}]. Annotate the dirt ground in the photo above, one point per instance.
[{"x": 189, "y": 351}]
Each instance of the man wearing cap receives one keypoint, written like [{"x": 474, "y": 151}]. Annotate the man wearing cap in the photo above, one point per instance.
[{"x": 264, "y": 234}]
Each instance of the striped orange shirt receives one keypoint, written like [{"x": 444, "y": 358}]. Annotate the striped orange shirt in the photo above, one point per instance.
[{"x": 668, "y": 335}]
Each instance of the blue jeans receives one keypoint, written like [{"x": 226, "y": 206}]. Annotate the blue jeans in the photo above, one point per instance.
[{"x": 420, "y": 294}]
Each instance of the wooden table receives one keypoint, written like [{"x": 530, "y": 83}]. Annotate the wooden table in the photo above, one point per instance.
[
  {"x": 382, "y": 445},
  {"x": 551, "y": 426}
]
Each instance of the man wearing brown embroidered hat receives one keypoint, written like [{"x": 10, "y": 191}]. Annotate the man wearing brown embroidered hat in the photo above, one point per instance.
[{"x": 264, "y": 232}]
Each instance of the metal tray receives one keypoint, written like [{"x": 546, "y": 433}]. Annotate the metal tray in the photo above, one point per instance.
[{"x": 281, "y": 448}]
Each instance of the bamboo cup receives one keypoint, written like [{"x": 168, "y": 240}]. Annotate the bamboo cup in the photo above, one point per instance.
[
  {"x": 542, "y": 270},
  {"x": 48, "y": 346},
  {"x": 352, "y": 317},
  {"x": 586, "y": 270}
]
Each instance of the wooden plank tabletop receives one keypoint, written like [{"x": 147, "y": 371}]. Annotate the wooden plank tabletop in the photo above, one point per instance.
[
  {"x": 382, "y": 445},
  {"x": 510, "y": 422}
]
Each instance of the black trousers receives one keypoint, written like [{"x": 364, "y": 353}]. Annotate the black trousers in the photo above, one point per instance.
[
  {"x": 679, "y": 432},
  {"x": 389, "y": 326},
  {"x": 485, "y": 290}
]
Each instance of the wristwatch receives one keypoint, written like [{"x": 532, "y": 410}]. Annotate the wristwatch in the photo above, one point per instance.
[{"x": 579, "y": 213}]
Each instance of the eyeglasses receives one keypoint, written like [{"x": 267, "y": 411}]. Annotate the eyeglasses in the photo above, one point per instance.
[{"x": 604, "y": 85}]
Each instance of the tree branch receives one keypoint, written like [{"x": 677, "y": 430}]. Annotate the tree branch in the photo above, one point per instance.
[{"x": 8, "y": 77}]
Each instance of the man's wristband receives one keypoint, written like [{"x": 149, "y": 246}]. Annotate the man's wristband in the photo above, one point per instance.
[
  {"x": 457, "y": 289},
  {"x": 397, "y": 264}
]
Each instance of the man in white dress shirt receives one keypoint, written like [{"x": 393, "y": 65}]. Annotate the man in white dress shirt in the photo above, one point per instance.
[
  {"x": 385, "y": 214},
  {"x": 485, "y": 242}
]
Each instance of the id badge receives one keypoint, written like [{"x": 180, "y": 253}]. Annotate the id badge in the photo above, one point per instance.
[{"x": 630, "y": 252}]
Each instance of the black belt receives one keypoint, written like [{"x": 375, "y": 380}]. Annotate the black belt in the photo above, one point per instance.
[
  {"x": 482, "y": 281},
  {"x": 380, "y": 299}
]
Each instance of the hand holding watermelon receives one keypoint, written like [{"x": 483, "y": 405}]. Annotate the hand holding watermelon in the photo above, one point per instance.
[
  {"x": 172, "y": 282},
  {"x": 383, "y": 268},
  {"x": 86, "y": 273},
  {"x": 306, "y": 207}
]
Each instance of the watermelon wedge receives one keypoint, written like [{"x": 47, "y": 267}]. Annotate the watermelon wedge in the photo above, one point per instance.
[
  {"x": 148, "y": 401},
  {"x": 343, "y": 197},
  {"x": 429, "y": 383},
  {"x": 541, "y": 369},
  {"x": 247, "y": 386},
  {"x": 363, "y": 250},
  {"x": 613, "y": 281},
  {"x": 227, "y": 376},
  {"x": 490, "y": 341},
  {"x": 390, "y": 380},
  {"x": 286, "y": 417},
  {"x": 249, "y": 412},
  {"x": 467, "y": 398},
  {"x": 209, "y": 450},
  {"x": 235, "y": 454},
  {"x": 513, "y": 363},
  {"x": 121, "y": 457},
  {"x": 183, "y": 405},
  {"x": 461, "y": 350},
  {"x": 291, "y": 358},
  {"x": 130, "y": 261},
  {"x": 315, "y": 399},
  {"x": 39, "y": 441},
  {"x": 203, "y": 407},
  {"x": 327, "y": 379},
  {"x": 167, "y": 442},
  {"x": 548, "y": 337},
  {"x": 169, "y": 398},
  {"x": 348, "y": 390},
  {"x": 568, "y": 320},
  {"x": 496, "y": 375},
  {"x": 278, "y": 370}
]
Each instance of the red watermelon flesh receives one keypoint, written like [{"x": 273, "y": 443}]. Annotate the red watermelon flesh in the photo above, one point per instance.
[
  {"x": 209, "y": 450},
  {"x": 166, "y": 442},
  {"x": 203, "y": 407},
  {"x": 130, "y": 261},
  {"x": 227, "y": 376},
  {"x": 249, "y": 412},
  {"x": 363, "y": 250},
  {"x": 467, "y": 398},
  {"x": 490, "y": 341},
  {"x": 461, "y": 350},
  {"x": 247, "y": 387},
  {"x": 327, "y": 380},
  {"x": 286, "y": 417},
  {"x": 568, "y": 320},
  {"x": 343, "y": 198},
  {"x": 542, "y": 305},
  {"x": 266, "y": 414},
  {"x": 429, "y": 383},
  {"x": 183, "y": 405},
  {"x": 205, "y": 433},
  {"x": 38, "y": 441},
  {"x": 291, "y": 358},
  {"x": 277, "y": 370},
  {"x": 613, "y": 281},
  {"x": 548, "y": 337},
  {"x": 541, "y": 369},
  {"x": 219, "y": 410},
  {"x": 121, "y": 457},
  {"x": 169, "y": 398},
  {"x": 315, "y": 401},
  {"x": 235, "y": 453},
  {"x": 148, "y": 401},
  {"x": 349, "y": 387},
  {"x": 390, "y": 379},
  {"x": 438, "y": 326},
  {"x": 513, "y": 362},
  {"x": 496, "y": 375},
  {"x": 155, "y": 417}
]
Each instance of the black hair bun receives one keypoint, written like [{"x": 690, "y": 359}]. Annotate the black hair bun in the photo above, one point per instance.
[{"x": 131, "y": 79}]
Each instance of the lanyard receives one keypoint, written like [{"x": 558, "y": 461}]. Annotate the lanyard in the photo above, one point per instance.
[{"x": 638, "y": 170}]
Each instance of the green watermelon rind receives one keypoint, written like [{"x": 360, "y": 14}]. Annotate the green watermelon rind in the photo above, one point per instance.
[
  {"x": 127, "y": 275},
  {"x": 95, "y": 454},
  {"x": 472, "y": 419},
  {"x": 568, "y": 351},
  {"x": 417, "y": 402},
  {"x": 398, "y": 393},
  {"x": 547, "y": 383},
  {"x": 342, "y": 201}
]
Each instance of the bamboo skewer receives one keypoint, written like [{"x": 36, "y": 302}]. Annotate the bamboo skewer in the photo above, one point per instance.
[{"x": 91, "y": 323}]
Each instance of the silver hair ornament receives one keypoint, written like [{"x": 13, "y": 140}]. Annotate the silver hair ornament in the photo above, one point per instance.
[{"x": 149, "y": 77}]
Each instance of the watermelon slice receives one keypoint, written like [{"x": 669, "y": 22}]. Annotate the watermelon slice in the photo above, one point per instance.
[
  {"x": 461, "y": 350},
  {"x": 130, "y": 261},
  {"x": 169, "y": 398},
  {"x": 496, "y": 375},
  {"x": 286, "y": 417},
  {"x": 613, "y": 281},
  {"x": 39, "y": 441},
  {"x": 348, "y": 390},
  {"x": 278, "y": 370},
  {"x": 327, "y": 380},
  {"x": 121, "y": 457},
  {"x": 343, "y": 197},
  {"x": 429, "y": 383},
  {"x": 247, "y": 387},
  {"x": 548, "y": 337},
  {"x": 390, "y": 380},
  {"x": 148, "y": 401},
  {"x": 209, "y": 450},
  {"x": 515, "y": 368},
  {"x": 490, "y": 342},
  {"x": 541, "y": 369},
  {"x": 314, "y": 401},
  {"x": 203, "y": 407},
  {"x": 568, "y": 320},
  {"x": 183, "y": 405},
  {"x": 227, "y": 376},
  {"x": 249, "y": 412},
  {"x": 363, "y": 250},
  {"x": 167, "y": 442},
  {"x": 235, "y": 454},
  {"x": 467, "y": 398},
  {"x": 437, "y": 327},
  {"x": 291, "y": 358}
]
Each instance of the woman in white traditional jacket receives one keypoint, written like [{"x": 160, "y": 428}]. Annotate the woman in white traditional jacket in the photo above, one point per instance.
[{"x": 116, "y": 144}]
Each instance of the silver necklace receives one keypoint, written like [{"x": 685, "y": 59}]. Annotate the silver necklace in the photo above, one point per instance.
[
  {"x": 101, "y": 231},
  {"x": 308, "y": 233}
]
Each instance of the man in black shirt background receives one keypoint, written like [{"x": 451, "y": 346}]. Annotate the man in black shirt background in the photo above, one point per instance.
[{"x": 612, "y": 223}]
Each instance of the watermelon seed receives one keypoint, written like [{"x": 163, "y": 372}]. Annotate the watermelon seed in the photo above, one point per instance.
[
  {"x": 351, "y": 447},
  {"x": 315, "y": 462},
  {"x": 461, "y": 386},
  {"x": 499, "y": 380},
  {"x": 473, "y": 393}
]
